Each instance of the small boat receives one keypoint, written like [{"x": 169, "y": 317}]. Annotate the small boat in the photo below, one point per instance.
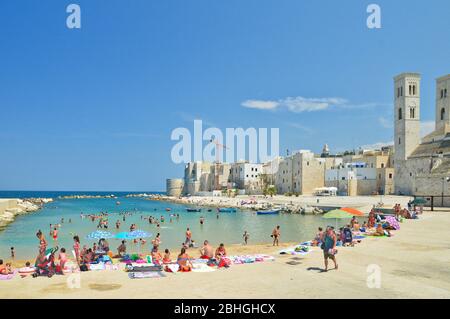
[
  {"x": 227, "y": 210},
  {"x": 168, "y": 209},
  {"x": 193, "y": 210},
  {"x": 267, "y": 212}
]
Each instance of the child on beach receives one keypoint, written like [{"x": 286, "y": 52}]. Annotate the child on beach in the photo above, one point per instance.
[
  {"x": 166, "y": 258},
  {"x": 156, "y": 256},
  {"x": 62, "y": 258}
]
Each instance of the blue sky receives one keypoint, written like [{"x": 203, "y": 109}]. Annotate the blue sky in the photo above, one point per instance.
[{"x": 93, "y": 109}]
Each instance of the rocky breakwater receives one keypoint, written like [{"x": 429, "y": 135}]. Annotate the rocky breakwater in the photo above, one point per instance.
[
  {"x": 10, "y": 208},
  {"x": 86, "y": 196}
]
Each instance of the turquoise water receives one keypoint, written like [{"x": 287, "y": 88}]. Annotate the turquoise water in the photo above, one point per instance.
[{"x": 227, "y": 229}]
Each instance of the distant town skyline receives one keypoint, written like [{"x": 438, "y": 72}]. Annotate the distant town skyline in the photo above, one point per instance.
[{"x": 93, "y": 108}]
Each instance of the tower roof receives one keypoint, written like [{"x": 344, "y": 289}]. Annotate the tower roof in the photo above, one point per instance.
[
  {"x": 406, "y": 74},
  {"x": 443, "y": 78}
]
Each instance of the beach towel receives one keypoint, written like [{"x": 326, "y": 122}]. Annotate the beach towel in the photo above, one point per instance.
[
  {"x": 99, "y": 266},
  {"x": 146, "y": 268},
  {"x": 150, "y": 274},
  {"x": 8, "y": 277},
  {"x": 172, "y": 268},
  {"x": 202, "y": 268}
]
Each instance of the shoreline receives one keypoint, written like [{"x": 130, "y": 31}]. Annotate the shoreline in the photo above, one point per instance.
[{"x": 294, "y": 204}]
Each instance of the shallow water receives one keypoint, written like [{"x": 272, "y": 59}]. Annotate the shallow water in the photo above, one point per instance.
[{"x": 228, "y": 228}]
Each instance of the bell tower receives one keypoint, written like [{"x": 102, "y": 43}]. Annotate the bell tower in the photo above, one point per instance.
[{"x": 406, "y": 115}]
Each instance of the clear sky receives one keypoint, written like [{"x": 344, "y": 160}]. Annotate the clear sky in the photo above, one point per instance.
[{"x": 93, "y": 109}]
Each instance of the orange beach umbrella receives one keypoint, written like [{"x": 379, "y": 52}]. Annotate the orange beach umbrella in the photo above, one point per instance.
[{"x": 353, "y": 211}]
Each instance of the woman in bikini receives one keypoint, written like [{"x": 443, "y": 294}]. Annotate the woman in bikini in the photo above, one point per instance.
[
  {"x": 42, "y": 242},
  {"x": 184, "y": 261},
  {"x": 76, "y": 248}
]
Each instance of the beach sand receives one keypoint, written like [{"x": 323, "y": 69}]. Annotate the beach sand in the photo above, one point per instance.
[{"x": 413, "y": 264}]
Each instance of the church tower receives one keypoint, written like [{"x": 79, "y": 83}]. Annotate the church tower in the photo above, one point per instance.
[
  {"x": 406, "y": 115},
  {"x": 443, "y": 104}
]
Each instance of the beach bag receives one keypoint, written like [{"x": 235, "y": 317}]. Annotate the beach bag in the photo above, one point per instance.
[
  {"x": 84, "y": 267},
  {"x": 224, "y": 263}
]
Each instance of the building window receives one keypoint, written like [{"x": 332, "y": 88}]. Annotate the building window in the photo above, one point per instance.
[
  {"x": 382, "y": 165},
  {"x": 390, "y": 175},
  {"x": 414, "y": 90},
  {"x": 400, "y": 113},
  {"x": 442, "y": 114},
  {"x": 412, "y": 112},
  {"x": 410, "y": 90},
  {"x": 399, "y": 141}
]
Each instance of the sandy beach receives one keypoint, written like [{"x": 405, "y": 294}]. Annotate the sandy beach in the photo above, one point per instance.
[{"x": 413, "y": 264}]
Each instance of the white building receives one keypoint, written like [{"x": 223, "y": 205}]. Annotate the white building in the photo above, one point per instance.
[{"x": 247, "y": 176}]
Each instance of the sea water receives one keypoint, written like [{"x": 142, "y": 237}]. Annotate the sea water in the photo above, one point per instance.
[{"x": 228, "y": 228}]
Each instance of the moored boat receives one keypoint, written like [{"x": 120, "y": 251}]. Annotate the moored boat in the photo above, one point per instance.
[
  {"x": 227, "y": 210},
  {"x": 193, "y": 210},
  {"x": 268, "y": 212}
]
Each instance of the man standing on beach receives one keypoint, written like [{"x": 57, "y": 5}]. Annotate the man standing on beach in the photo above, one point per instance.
[
  {"x": 329, "y": 247},
  {"x": 276, "y": 235}
]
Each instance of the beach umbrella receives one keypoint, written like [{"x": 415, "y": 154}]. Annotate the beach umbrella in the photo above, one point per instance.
[
  {"x": 419, "y": 201},
  {"x": 393, "y": 222},
  {"x": 99, "y": 234},
  {"x": 140, "y": 234},
  {"x": 353, "y": 211},
  {"x": 337, "y": 214},
  {"x": 124, "y": 235}
]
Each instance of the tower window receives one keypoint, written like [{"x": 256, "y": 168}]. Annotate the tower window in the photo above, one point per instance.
[
  {"x": 399, "y": 141},
  {"x": 412, "y": 112},
  {"x": 414, "y": 90},
  {"x": 401, "y": 91},
  {"x": 442, "y": 114},
  {"x": 400, "y": 113},
  {"x": 410, "y": 90}
]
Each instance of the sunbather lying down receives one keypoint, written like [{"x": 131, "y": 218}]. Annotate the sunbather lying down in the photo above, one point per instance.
[{"x": 379, "y": 231}]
